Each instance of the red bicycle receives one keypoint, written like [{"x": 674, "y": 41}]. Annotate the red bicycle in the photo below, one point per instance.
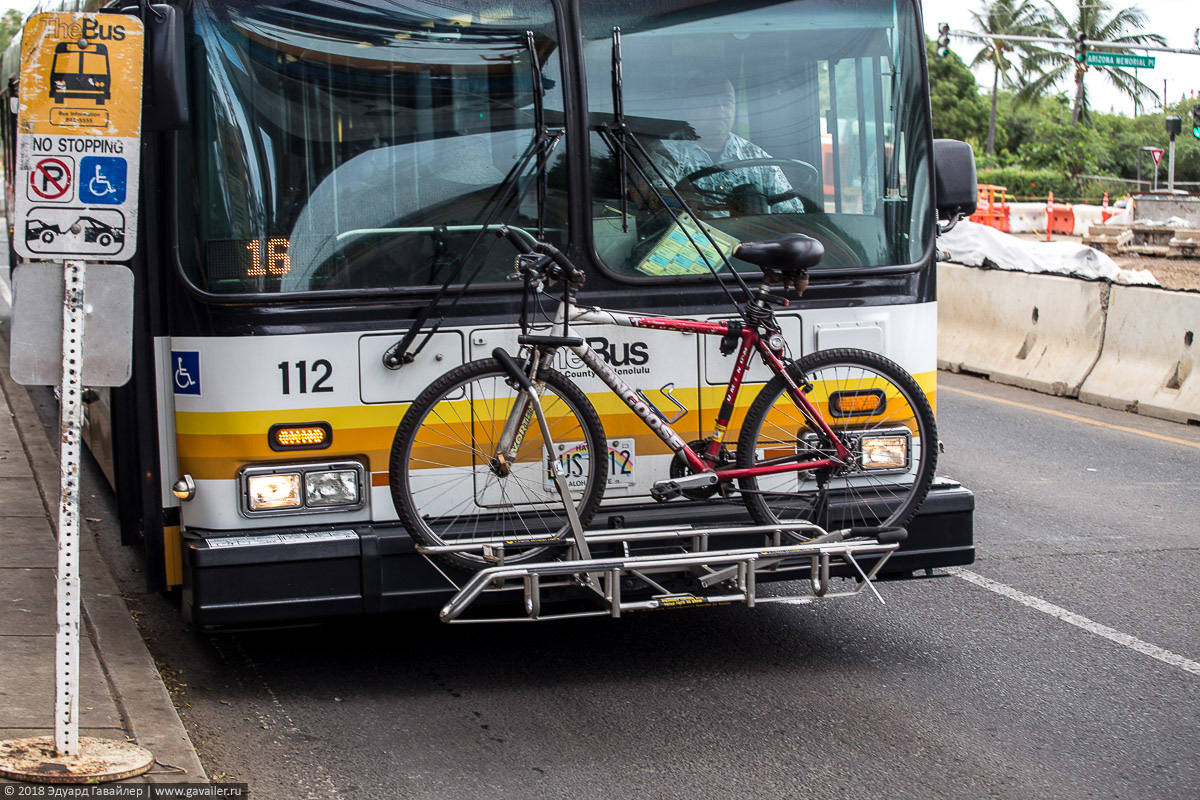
[{"x": 508, "y": 450}]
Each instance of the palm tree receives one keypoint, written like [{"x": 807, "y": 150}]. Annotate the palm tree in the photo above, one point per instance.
[
  {"x": 1091, "y": 18},
  {"x": 997, "y": 18}
]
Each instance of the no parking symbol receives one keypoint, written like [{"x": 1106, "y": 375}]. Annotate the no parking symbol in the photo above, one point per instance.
[{"x": 50, "y": 179}]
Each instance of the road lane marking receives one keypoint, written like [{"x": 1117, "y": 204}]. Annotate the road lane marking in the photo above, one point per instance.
[
  {"x": 5, "y": 294},
  {"x": 1103, "y": 631},
  {"x": 1064, "y": 415}
]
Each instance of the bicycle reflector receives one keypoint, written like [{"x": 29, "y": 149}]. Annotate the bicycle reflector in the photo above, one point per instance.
[
  {"x": 302, "y": 436},
  {"x": 860, "y": 403}
]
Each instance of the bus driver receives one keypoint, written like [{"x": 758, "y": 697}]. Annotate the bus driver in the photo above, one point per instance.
[{"x": 711, "y": 115}]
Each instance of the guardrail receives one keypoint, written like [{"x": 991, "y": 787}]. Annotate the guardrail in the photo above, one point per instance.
[{"x": 1125, "y": 347}]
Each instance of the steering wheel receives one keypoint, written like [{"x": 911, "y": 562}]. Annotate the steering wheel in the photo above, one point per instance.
[{"x": 810, "y": 178}]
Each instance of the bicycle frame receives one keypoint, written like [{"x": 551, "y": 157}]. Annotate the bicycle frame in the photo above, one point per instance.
[{"x": 750, "y": 343}]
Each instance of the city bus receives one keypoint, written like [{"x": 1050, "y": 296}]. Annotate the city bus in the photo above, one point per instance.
[{"x": 319, "y": 183}]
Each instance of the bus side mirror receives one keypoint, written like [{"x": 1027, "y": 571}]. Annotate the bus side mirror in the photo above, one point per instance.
[
  {"x": 955, "y": 186},
  {"x": 165, "y": 98}
]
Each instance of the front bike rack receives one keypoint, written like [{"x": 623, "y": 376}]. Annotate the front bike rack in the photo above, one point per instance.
[{"x": 648, "y": 558}]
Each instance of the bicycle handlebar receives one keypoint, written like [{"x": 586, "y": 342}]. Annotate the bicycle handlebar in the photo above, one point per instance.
[{"x": 566, "y": 270}]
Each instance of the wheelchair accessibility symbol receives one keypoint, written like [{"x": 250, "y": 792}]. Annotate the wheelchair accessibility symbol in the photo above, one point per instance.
[
  {"x": 102, "y": 180},
  {"x": 185, "y": 371}
]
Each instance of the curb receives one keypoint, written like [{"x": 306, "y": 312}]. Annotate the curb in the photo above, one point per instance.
[{"x": 142, "y": 700}]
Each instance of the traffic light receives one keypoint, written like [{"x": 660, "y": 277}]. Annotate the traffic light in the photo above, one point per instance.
[
  {"x": 1196, "y": 121},
  {"x": 943, "y": 48},
  {"x": 1081, "y": 47}
]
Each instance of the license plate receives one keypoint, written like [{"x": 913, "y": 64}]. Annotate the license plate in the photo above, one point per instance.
[{"x": 576, "y": 464}]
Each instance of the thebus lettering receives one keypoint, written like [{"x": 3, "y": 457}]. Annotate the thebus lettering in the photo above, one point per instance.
[
  {"x": 631, "y": 353},
  {"x": 68, "y": 31},
  {"x": 92, "y": 29}
]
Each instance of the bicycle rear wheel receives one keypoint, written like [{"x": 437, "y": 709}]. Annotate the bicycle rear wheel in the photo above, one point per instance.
[
  {"x": 448, "y": 485},
  {"x": 876, "y": 409}
]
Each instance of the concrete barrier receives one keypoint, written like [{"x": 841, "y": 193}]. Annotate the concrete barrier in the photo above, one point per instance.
[
  {"x": 1039, "y": 332},
  {"x": 1031, "y": 218},
  {"x": 1150, "y": 361}
]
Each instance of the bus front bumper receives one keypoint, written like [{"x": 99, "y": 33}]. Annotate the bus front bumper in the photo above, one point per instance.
[{"x": 287, "y": 575}]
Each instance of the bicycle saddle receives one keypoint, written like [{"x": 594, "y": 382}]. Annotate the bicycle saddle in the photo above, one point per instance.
[{"x": 792, "y": 252}]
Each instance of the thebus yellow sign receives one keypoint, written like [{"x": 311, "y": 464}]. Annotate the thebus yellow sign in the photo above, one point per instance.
[
  {"x": 79, "y": 124},
  {"x": 81, "y": 75}
]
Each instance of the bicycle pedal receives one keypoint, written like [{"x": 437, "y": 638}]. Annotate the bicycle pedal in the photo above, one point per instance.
[
  {"x": 670, "y": 489},
  {"x": 664, "y": 493}
]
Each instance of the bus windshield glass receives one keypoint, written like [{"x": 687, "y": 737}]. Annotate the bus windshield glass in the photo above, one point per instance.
[
  {"x": 766, "y": 118},
  {"x": 346, "y": 146}
]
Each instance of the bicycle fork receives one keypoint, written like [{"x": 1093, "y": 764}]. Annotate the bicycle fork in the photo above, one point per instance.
[{"x": 514, "y": 431}]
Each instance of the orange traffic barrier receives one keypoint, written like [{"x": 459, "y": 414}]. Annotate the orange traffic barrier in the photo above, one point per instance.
[
  {"x": 1060, "y": 218},
  {"x": 990, "y": 212}
]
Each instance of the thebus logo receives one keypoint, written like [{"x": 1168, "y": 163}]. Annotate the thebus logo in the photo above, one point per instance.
[
  {"x": 87, "y": 29},
  {"x": 626, "y": 354}
]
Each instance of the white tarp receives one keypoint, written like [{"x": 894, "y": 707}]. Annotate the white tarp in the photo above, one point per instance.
[{"x": 975, "y": 245}]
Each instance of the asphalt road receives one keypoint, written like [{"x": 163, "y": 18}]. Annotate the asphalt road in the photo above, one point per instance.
[{"x": 1062, "y": 665}]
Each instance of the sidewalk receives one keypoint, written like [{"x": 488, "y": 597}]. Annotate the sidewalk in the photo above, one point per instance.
[{"x": 121, "y": 694}]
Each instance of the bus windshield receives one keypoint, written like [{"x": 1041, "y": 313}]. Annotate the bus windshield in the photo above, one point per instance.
[
  {"x": 343, "y": 146},
  {"x": 766, "y": 118}
]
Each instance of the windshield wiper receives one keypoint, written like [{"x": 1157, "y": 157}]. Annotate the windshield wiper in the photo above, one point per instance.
[
  {"x": 542, "y": 146},
  {"x": 615, "y": 135}
]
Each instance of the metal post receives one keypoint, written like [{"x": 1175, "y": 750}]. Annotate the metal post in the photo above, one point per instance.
[
  {"x": 1171, "y": 166},
  {"x": 66, "y": 651}
]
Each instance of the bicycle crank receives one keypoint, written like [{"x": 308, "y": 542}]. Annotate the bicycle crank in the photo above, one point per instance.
[
  {"x": 680, "y": 468},
  {"x": 663, "y": 491}
]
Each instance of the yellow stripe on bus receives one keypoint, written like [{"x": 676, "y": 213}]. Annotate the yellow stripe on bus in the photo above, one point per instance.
[{"x": 214, "y": 446}]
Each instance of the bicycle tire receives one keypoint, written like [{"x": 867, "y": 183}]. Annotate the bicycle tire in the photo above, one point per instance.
[
  {"x": 445, "y": 486},
  {"x": 849, "y": 495}
]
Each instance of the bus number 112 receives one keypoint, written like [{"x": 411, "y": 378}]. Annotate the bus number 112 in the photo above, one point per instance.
[{"x": 302, "y": 369}]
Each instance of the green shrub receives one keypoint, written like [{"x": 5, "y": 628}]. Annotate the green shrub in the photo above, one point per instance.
[{"x": 1028, "y": 185}]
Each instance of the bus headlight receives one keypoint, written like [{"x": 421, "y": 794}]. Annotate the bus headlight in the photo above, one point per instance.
[
  {"x": 270, "y": 492},
  {"x": 332, "y": 488},
  {"x": 884, "y": 452},
  {"x": 309, "y": 488}
]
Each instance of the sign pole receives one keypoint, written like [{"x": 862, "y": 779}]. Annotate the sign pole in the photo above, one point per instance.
[
  {"x": 77, "y": 173},
  {"x": 66, "y": 650}
]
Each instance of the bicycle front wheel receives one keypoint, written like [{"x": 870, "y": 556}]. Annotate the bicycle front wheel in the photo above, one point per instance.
[
  {"x": 451, "y": 483},
  {"x": 879, "y": 413}
]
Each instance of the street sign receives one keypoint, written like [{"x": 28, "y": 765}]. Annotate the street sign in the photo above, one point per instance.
[
  {"x": 1095, "y": 59},
  {"x": 78, "y": 137},
  {"x": 1156, "y": 153}
]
